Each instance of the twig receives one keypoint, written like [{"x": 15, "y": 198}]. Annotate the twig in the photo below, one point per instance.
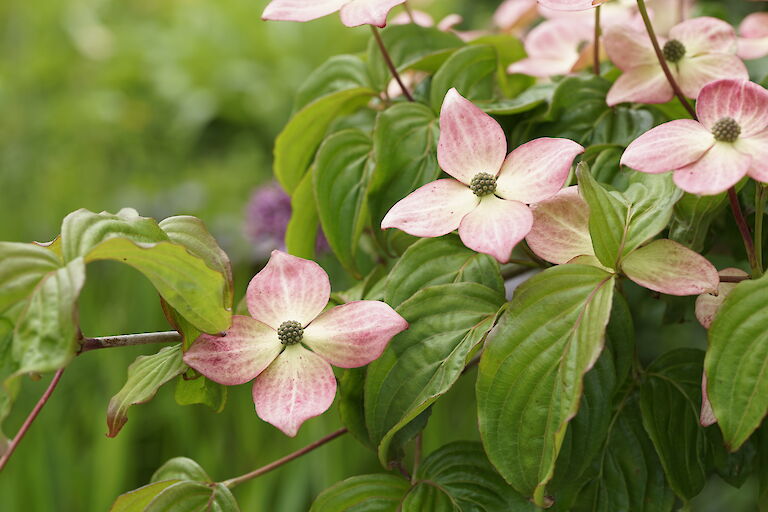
[
  {"x": 232, "y": 482},
  {"x": 390, "y": 64},
  {"x": 741, "y": 222},
  {"x": 127, "y": 340},
  {"x": 32, "y": 415},
  {"x": 662, "y": 61},
  {"x": 596, "y": 49}
]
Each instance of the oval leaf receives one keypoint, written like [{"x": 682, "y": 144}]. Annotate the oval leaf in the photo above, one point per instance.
[
  {"x": 24, "y": 265},
  {"x": 363, "y": 493}
]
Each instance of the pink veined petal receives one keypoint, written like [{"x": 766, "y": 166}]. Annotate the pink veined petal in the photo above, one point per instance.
[
  {"x": 643, "y": 84},
  {"x": 367, "y": 12},
  {"x": 627, "y": 47},
  {"x": 537, "y": 170},
  {"x": 512, "y": 13},
  {"x": 744, "y": 101},
  {"x": 696, "y": 72},
  {"x": 757, "y": 147},
  {"x": 434, "y": 209},
  {"x": 496, "y": 226},
  {"x": 470, "y": 141},
  {"x": 571, "y": 5},
  {"x": 560, "y": 229},
  {"x": 288, "y": 288},
  {"x": 705, "y": 35},
  {"x": 553, "y": 48},
  {"x": 420, "y": 18},
  {"x": 707, "y": 415},
  {"x": 754, "y": 25},
  {"x": 752, "y": 48},
  {"x": 300, "y": 10},
  {"x": 668, "y": 267},
  {"x": 297, "y": 386},
  {"x": 668, "y": 147},
  {"x": 708, "y": 304},
  {"x": 543, "y": 68},
  {"x": 353, "y": 334},
  {"x": 248, "y": 347},
  {"x": 718, "y": 170},
  {"x": 450, "y": 21}
]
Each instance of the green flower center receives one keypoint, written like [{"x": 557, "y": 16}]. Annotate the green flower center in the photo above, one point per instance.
[
  {"x": 290, "y": 332},
  {"x": 674, "y": 50},
  {"x": 726, "y": 130},
  {"x": 483, "y": 184}
]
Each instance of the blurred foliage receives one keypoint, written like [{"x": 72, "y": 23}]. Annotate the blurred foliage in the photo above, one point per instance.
[{"x": 172, "y": 108}]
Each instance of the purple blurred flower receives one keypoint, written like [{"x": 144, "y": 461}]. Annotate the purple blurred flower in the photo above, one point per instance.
[{"x": 266, "y": 220}]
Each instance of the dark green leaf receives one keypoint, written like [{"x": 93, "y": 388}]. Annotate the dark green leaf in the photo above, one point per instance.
[
  {"x": 736, "y": 361},
  {"x": 301, "y": 235},
  {"x": 364, "y": 493},
  {"x": 462, "y": 473},
  {"x": 670, "y": 400},
  {"x": 549, "y": 337},
  {"x": 343, "y": 168},
  {"x": 692, "y": 218},
  {"x": 145, "y": 376},
  {"x": 296, "y": 145},
  {"x": 180, "y": 468},
  {"x": 24, "y": 265},
  {"x": 470, "y": 70},
  {"x": 527, "y": 100},
  {"x": 339, "y": 73},
  {"x": 442, "y": 260},
  {"x": 405, "y": 144}
]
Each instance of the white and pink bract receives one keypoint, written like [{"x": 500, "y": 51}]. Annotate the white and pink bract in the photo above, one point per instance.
[
  {"x": 292, "y": 383},
  {"x": 353, "y": 12}
]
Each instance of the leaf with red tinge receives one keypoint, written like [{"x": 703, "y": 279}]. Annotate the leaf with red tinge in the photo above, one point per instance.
[
  {"x": 669, "y": 267},
  {"x": 145, "y": 376}
]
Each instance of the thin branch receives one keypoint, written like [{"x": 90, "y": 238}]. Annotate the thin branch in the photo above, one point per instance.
[
  {"x": 662, "y": 61},
  {"x": 760, "y": 197},
  {"x": 232, "y": 482},
  {"x": 390, "y": 64},
  {"x": 596, "y": 43},
  {"x": 410, "y": 12},
  {"x": 32, "y": 415},
  {"x": 741, "y": 222},
  {"x": 127, "y": 340}
]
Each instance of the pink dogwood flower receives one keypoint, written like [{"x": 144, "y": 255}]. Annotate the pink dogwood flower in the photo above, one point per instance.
[
  {"x": 753, "y": 40},
  {"x": 556, "y": 47},
  {"x": 286, "y": 301},
  {"x": 571, "y": 5},
  {"x": 709, "y": 156},
  {"x": 488, "y": 195},
  {"x": 698, "y": 51},
  {"x": 353, "y": 12}
]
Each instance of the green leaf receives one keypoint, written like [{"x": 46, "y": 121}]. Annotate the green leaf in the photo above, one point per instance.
[
  {"x": 191, "y": 233},
  {"x": 578, "y": 112},
  {"x": 527, "y": 100},
  {"x": 24, "y": 265},
  {"x": 363, "y": 493},
  {"x": 188, "y": 496},
  {"x": 629, "y": 474},
  {"x": 509, "y": 49},
  {"x": 608, "y": 217},
  {"x": 184, "y": 280},
  {"x": 419, "y": 365},
  {"x": 544, "y": 343},
  {"x": 296, "y": 145},
  {"x": 180, "y": 468},
  {"x": 138, "y": 499},
  {"x": 145, "y": 376},
  {"x": 301, "y": 234},
  {"x": 351, "y": 401},
  {"x": 410, "y": 46},
  {"x": 670, "y": 400},
  {"x": 46, "y": 335},
  {"x": 405, "y": 144},
  {"x": 9, "y": 387},
  {"x": 652, "y": 199},
  {"x": 470, "y": 70},
  {"x": 339, "y": 73},
  {"x": 736, "y": 361},
  {"x": 693, "y": 216},
  {"x": 343, "y": 168},
  {"x": 432, "y": 261},
  {"x": 82, "y": 230},
  {"x": 460, "y": 472},
  {"x": 200, "y": 390}
]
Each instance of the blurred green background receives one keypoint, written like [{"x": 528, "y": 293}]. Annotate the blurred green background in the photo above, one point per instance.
[{"x": 171, "y": 108}]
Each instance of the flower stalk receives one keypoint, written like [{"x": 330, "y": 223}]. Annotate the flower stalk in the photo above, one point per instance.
[
  {"x": 128, "y": 340},
  {"x": 232, "y": 482},
  {"x": 596, "y": 44},
  {"x": 390, "y": 64},
  {"x": 741, "y": 222}
]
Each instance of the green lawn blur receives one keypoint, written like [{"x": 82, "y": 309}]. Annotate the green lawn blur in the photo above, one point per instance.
[{"x": 171, "y": 108}]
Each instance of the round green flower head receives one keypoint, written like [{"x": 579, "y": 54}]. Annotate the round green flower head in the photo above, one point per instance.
[
  {"x": 483, "y": 184},
  {"x": 290, "y": 332},
  {"x": 726, "y": 130},
  {"x": 674, "y": 50}
]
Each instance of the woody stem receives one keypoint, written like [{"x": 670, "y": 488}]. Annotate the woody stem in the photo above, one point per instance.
[{"x": 390, "y": 64}]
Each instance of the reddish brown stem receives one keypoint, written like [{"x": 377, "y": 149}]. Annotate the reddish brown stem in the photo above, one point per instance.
[
  {"x": 741, "y": 222},
  {"x": 32, "y": 415},
  {"x": 128, "y": 340},
  {"x": 232, "y": 482},
  {"x": 390, "y": 64}
]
